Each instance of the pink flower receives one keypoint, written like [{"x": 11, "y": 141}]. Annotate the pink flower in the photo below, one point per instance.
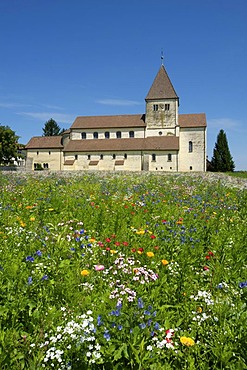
[{"x": 99, "y": 267}]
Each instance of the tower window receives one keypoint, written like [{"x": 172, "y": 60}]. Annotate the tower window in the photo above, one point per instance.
[
  {"x": 169, "y": 158},
  {"x": 83, "y": 135},
  {"x": 131, "y": 134},
  {"x": 107, "y": 134},
  {"x": 190, "y": 147},
  {"x": 167, "y": 106},
  {"x": 101, "y": 156},
  {"x": 95, "y": 135},
  {"x": 153, "y": 157},
  {"x": 113, "y": 156},
  {"x": 76, "y": 157},
  {"x": 89, "y": 157},
  {"x": 118, "y": 134},
  {"x": 155, "y": 107},
  {"x": 125, "y": 155}
]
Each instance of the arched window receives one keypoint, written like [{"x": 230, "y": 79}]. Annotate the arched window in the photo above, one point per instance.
[
  {"x": 83, "y": 135},
  {"x": 107, "y": 135},
  {"x": 118, "y": 134},
  {"x": 190, "y": 147},
  {"x": 95, "y": 135},
  {"x": 131, "y": 134}
]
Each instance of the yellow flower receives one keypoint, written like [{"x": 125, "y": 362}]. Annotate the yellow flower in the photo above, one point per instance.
[
  {"x": 187, "y": 341},
  {"x": 199, "y": 309},
  {"x": 112, "y": 251},
  {"x": 164, "y": 262},
  {"x": 91, "y": 240},
  {"x": 22, "y": 224},
  {"x": 32, "y": 218},
  {"x": 140, "y": 232},
  {"x": 150, "y": 254},
  {"x": 84, "y": 272},
  {"x": 50, "y": 209}
]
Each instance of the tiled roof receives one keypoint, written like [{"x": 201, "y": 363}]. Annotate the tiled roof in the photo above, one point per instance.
[
  {"x": 133, "y": 144},
  {"x": 44, "y": 142},
  {"x": 162, "y": 87},
  {"x": 98, "y": 122},
  {"x": 192, "y": 120}
]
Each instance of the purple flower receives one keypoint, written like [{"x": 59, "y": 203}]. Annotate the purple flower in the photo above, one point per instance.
[
  {"x": 39, "y": 253},
  {"x": 99, "y": 320},
  {"x": 29, "y": 280},
  {"x": 107, "y": 335},
  {"x": 45, "y": 277},
  {"x": 243, "y": 284},
  {"x": 140, "y": 303},
  {"x": 29, "y": 259},
  {"x": 142, "y": 325}
]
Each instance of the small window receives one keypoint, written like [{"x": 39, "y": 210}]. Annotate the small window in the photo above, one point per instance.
[
  {"x": 89, "y": 157},
  {"x": 37, "y": 153},
  {"x": 191, "y": 168},
  {"x": 49, "y": 153},
  {"x": 95, "y": 135},
  {"x": 125, "y": 156},
  {"x": 83, "y": 135},
  {"x": 155, "y": 107},
  {"x": 107, "y": 135},
  {"x": 45, "y": 165},
  {"x": 119, "y": 135},
  {"x": 113, "y": 156},
  {"x": 160, "y": 133},
  {"x": 76, "y": 156},
  {"x": 190, "y": 147},
  {"x": 169, "y": 157},
  {"x": 101, "y": 156},
  {"x": 167, "y": 106},
  {"x": 131, "y": 134},
  {"x": 153, "y": 157}
]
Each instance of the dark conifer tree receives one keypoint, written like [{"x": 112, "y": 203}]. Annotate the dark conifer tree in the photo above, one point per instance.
[
  {"x": 222, "y": 160},
  {"x": 51, "y": 128}
]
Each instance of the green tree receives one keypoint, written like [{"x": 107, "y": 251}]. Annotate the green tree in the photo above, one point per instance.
[
  {"x": 51, "y": 128},
  {"x": 222, "y": 160},
  {"x": 8, "y": 145}
]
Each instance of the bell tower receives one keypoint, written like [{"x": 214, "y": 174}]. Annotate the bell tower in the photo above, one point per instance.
[{"x": 162, "y": 106}]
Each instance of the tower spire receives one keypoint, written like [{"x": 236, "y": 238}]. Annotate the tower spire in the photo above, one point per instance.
[{"x": 162, "y": 57}]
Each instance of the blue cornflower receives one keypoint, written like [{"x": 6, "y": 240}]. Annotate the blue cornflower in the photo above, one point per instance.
[
  {"x": 29, "y": 280},
  {"x": 146, "y": 312},
  {"x": 243, "y": 284},
  {"x": 82, "y": 231},
  {"x": 29, "y": 259},
  {"x": 99, "y": 320},
  {"x": 72, "y": 249},
  {"x": 142, "y": 325},
  {"x": 119, "y": 305},
  {"x": 149, "y": 322},
  {"x": 107, "y": 335},
  {"x": 39, "y": 253},
  {"x": 45, "y": 277},
  {"x": 140, "y": 303},
  {"x": 156, "y": 326},
  {"x": 120, "y": 327}
]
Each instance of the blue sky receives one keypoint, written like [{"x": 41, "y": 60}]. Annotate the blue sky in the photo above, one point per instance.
[{"x": 66, "y": 58}]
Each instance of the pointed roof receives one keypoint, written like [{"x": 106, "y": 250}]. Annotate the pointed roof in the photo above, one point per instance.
[{"x": 162, "y": 87}]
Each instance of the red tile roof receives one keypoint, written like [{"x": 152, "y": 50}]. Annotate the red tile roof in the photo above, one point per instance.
[
  {"x": 192, "y": 120},
  {"x": 45, "y": 142},
  {"x": 100, "y": 122},
  {"x": 133, "y": 144},
  {"x": 162, "y": 87}
]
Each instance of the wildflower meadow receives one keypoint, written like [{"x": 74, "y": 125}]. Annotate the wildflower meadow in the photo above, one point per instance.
[{"x": 122, "y": 271}]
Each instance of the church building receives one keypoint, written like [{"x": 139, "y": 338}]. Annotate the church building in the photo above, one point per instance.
[{"x": 160, "y": 139}]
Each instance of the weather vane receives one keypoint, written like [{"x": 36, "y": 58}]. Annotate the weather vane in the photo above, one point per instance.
[{"x": 162, "y": 57}]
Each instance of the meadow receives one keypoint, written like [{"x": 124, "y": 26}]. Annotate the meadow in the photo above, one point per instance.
[{"x": 122, "y": 271}]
